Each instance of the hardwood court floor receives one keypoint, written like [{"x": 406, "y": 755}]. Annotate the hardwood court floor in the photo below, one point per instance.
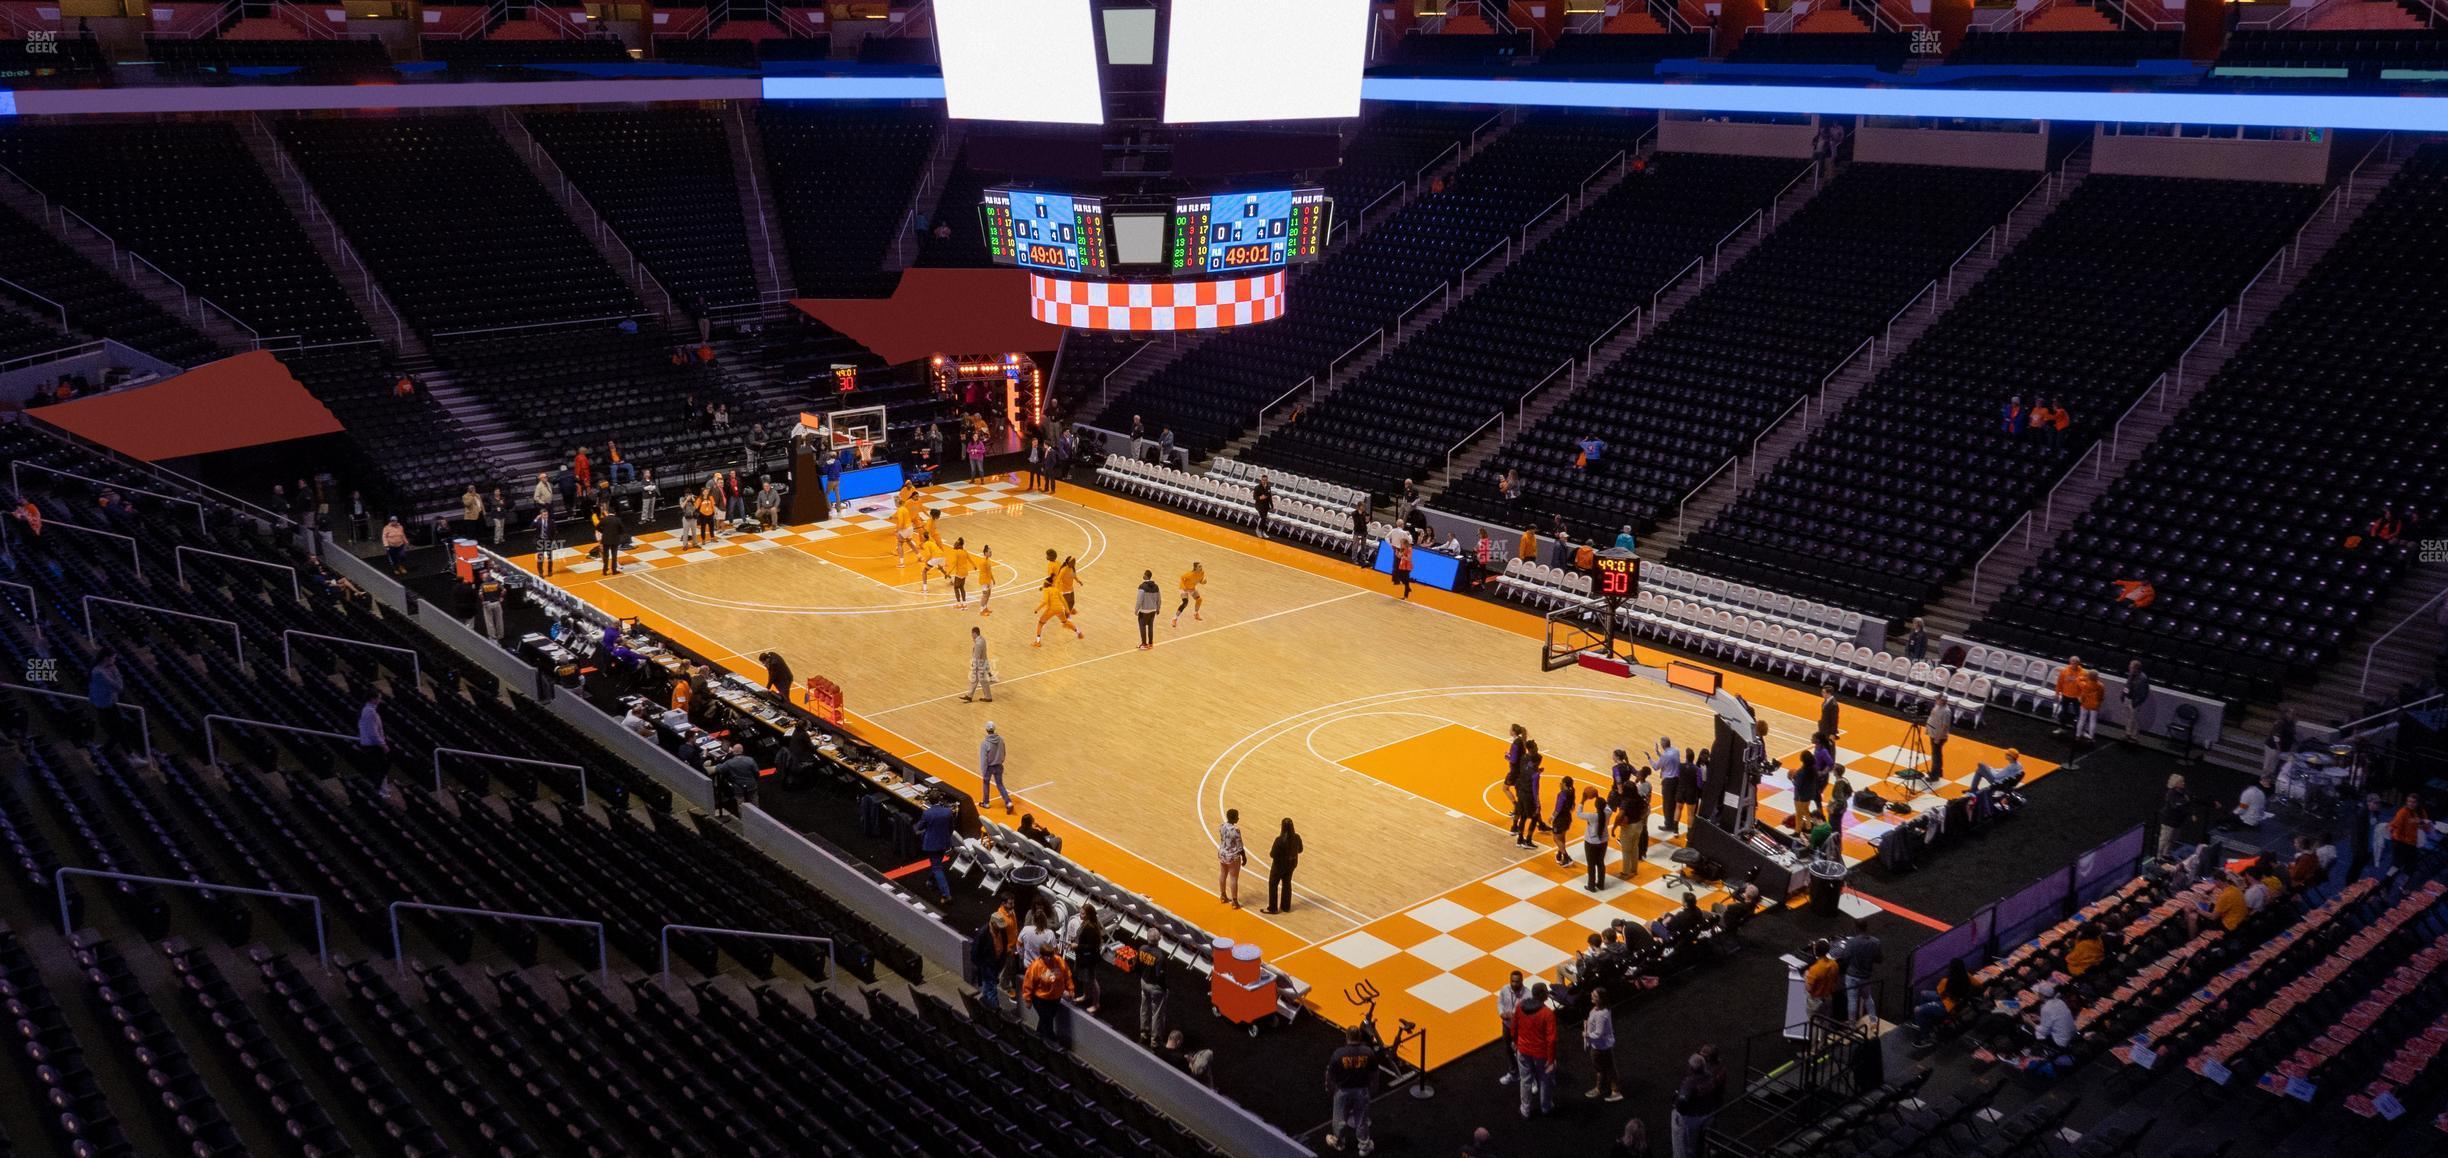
[{"x": 1306, "y": 691}]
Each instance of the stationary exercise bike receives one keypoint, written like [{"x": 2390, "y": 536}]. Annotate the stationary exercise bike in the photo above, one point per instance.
[{"x": 1389, "y": 1054}]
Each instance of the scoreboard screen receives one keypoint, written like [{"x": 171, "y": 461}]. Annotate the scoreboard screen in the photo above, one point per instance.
[
  {"x": 1231, "y": 232},
  {"x": 1049, "y": 231}
]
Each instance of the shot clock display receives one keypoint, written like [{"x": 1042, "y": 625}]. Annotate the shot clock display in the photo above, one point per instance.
[
  {"x": 1231, "y": 232},
  {"x": 1058, "y": 232},
  {"x": 1618, "y": 574}
]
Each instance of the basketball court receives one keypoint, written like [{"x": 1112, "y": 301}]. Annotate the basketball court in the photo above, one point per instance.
[{"x": 1307, "y": 690}]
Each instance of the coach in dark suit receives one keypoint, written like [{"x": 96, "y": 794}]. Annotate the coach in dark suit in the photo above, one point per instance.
[{"x": 1827, "y": 709}]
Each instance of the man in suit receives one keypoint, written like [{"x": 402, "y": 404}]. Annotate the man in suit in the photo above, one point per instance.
[{"x": 1827, "y": 709}]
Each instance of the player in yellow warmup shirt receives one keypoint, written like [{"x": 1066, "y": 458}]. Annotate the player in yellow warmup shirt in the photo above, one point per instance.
[
  {"x": 1067, "y": 581},
  {"x": 905, "y": 521},
  {"x": 958, "y": 563},
  {"x": 931, "y": 558},
  {"x": 1191, "y": 581},
  {"x": 1050, "y": 606}
]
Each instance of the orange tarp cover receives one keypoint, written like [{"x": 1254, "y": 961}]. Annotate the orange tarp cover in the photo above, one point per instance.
[
  {"x": 941, "y": 311},
  {"x": 248, "y": 400}
]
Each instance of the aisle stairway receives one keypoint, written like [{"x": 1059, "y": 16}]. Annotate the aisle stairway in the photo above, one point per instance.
[
  {"x": 1969, "y": 597},
  {"x": 1850, "y": 378},
  {"x": 299, "y": 195}
]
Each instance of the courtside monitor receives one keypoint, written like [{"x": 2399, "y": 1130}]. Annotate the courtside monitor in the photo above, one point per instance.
[
  {"x": 1019, "y": 60},
  {"x": 1264, "y": 60}
]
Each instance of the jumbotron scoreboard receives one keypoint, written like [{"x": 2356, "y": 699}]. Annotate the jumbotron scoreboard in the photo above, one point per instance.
[
  {"x": 1226, "y": 233},
  {"x": 1049, "y": 231}
]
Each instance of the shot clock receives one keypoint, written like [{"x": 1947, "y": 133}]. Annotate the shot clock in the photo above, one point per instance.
[{"x": 1618, "y": 575}]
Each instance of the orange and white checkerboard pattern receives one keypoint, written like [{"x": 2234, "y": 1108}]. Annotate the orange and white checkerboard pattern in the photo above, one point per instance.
[{"x": 1187, "y": 305}]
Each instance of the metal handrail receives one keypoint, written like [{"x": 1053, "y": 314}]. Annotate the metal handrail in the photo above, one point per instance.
[
  {"x": 1471, "y": 267},
  {"x": 144, "y": 719},
  {"x": 1402, "y": 319},
  {"x": 1304, "y": 384},
  {"x": 1559, "y": 203},
  {"x": 87, "y": 601},
  {"x": 1395, "y": 191},
  {"x": 1660, "y": 292},
  {"x": 1589, "y": 356},
  {"x": 668, "y": 930},
  {"x": 1717, "y": 251},
  {"x": 62, "y": 354},
  {"x": 212, "y": 747},
  {"x": 603, "y": 225},
  {"x": 1454, "y": 148},
  {"x": 1450, "y": 451},
  {"x": 16, "y": 485},
  {"x": 603, "y": 955},
  {"x": 1988, "y": 237},
  {"x": 59, "y": 878},
  {"x": 1105, "y": 384},
  {"x": 86, "y": 444},
  {"x": 2024, "y": 522},
  {"x": 416, "y": 664},
  {"x": 1682, "y": 505},
  {"x": 438, "y": 753},
  {"x": 1621, "y": 157},
  {"x": 2372, "y": 650},
  {"x": 1481, "y": 127},
  {"x": 2385, "y": 713},
  {"x": 2278, "y": 259},
  {"x": 63, "y": 310},
  {"x": 178, "y": 558},
  {"x": 564, "y": 324},
  {"x": 1774, "y": 199},
  {"x": 1521, "y": 405},
  {"x": 135, "y": 551},
  {"x": 1887, "y": 332},
  {"x": 2218, "y": 322},
  {"x": 1334, "y": 365}
]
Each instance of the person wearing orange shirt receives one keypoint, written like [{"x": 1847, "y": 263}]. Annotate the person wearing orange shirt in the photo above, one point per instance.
[
  {"x": 1402, "y": 564},
  {"x": 2069, "y": 690},
  {"x": 2405, "y": 834},
  {"x": 905, "y": 531},
  {"x": 958, "y": 563},
  {"x": 1528, "y": 551},
  {"x": 621, "y": 469},
  {"x": 584, "y": 470},
  {"x": 1191, "y": 581},
  {"x": 2088, "y": 692},
  {"x": 986, "y": 578},
  {"x": 931, "y": 558},
  {"x": 1050, "y": 606},
  {"x": 1067, "y": 581}
]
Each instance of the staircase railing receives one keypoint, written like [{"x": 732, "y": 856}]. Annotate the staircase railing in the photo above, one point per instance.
[
  {"x": 1886, "y": 334},
  {"x": 2372, "y": 650},
  {"x": 1717, "y": 252},
  {"x": 62, "y": 310},
  {"x": 123, "y": 261},
  {"x": 1621, "y": 158},
  {"x": 1561, "y": 203},
  {"x": 331, "y": 226},
  {"x": 603, "y": 226},
  {"x": 2222, "y": 322},
  {"x": 310, "y": 21},
  {"x": 1105, "y": 384},
  {"x": 1443, "y": 290},
  {"x": 1335, "y": 367},
  {"x": 1589, "y": 355},
  {"x": 566, "y": 25},
  {"x": 1306, "y": 384},
  {"x": 1493, "y": 12}
]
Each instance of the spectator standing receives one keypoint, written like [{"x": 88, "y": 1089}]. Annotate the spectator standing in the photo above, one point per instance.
[
  {"x": 2069, "y": 690},
  {"x": 2174, "y": 810},
  {"x": 2088, "y": 694},
  {"x": 2137, "y": 692},
  {"x": 1282, "y": 858},
  {"x": 1350, "y": 1072},
  {"x": 615, "y": 535},
  {"x": 1860, "y": 955},
  {"x": 1534, "y": 1042},
  {"x": 1230, "y": 856},
  {"x": 1048, "y": 981},
  {"x": 395, "y": 546},
  {"x": 1150, "y": 969},
  {"x": 358, "y": 516},
  {"x": 1916, "y": 642},
  {"x": 1084, "y": 940},
  {"x": 1695, "y": 1102},
  {"x": 1633, "y": 819},
  {"x": 1819, "y": 981},
  {"x": 1830, "y": 711},
  {"x": 489, "y": 596},
  {"x": 1598, "y": 1036},
  {"x": 1262, "y": 500},
  {"x": 935, "y": 839},
  {"x": 649, "y": 496},
  {"x": 582, "y": 469},
  {"x": 370, "y": 738},
  {"x": 497, "y": 509},
  {"x": 990, "y": 765},
  {"x": 2281, "y": 741},
  {"x": 1937, "y": 727},
  {"x": 986, "y": 959},
  {"x": 1508, "y": 1007},
  {"x": 103, "y": 686},
  {"x": 1150, "y": 601},
  {"x": 2405, "y": 831}
]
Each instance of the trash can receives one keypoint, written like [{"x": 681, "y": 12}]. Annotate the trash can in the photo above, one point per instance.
[{"x": 1826, "y": 887}]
